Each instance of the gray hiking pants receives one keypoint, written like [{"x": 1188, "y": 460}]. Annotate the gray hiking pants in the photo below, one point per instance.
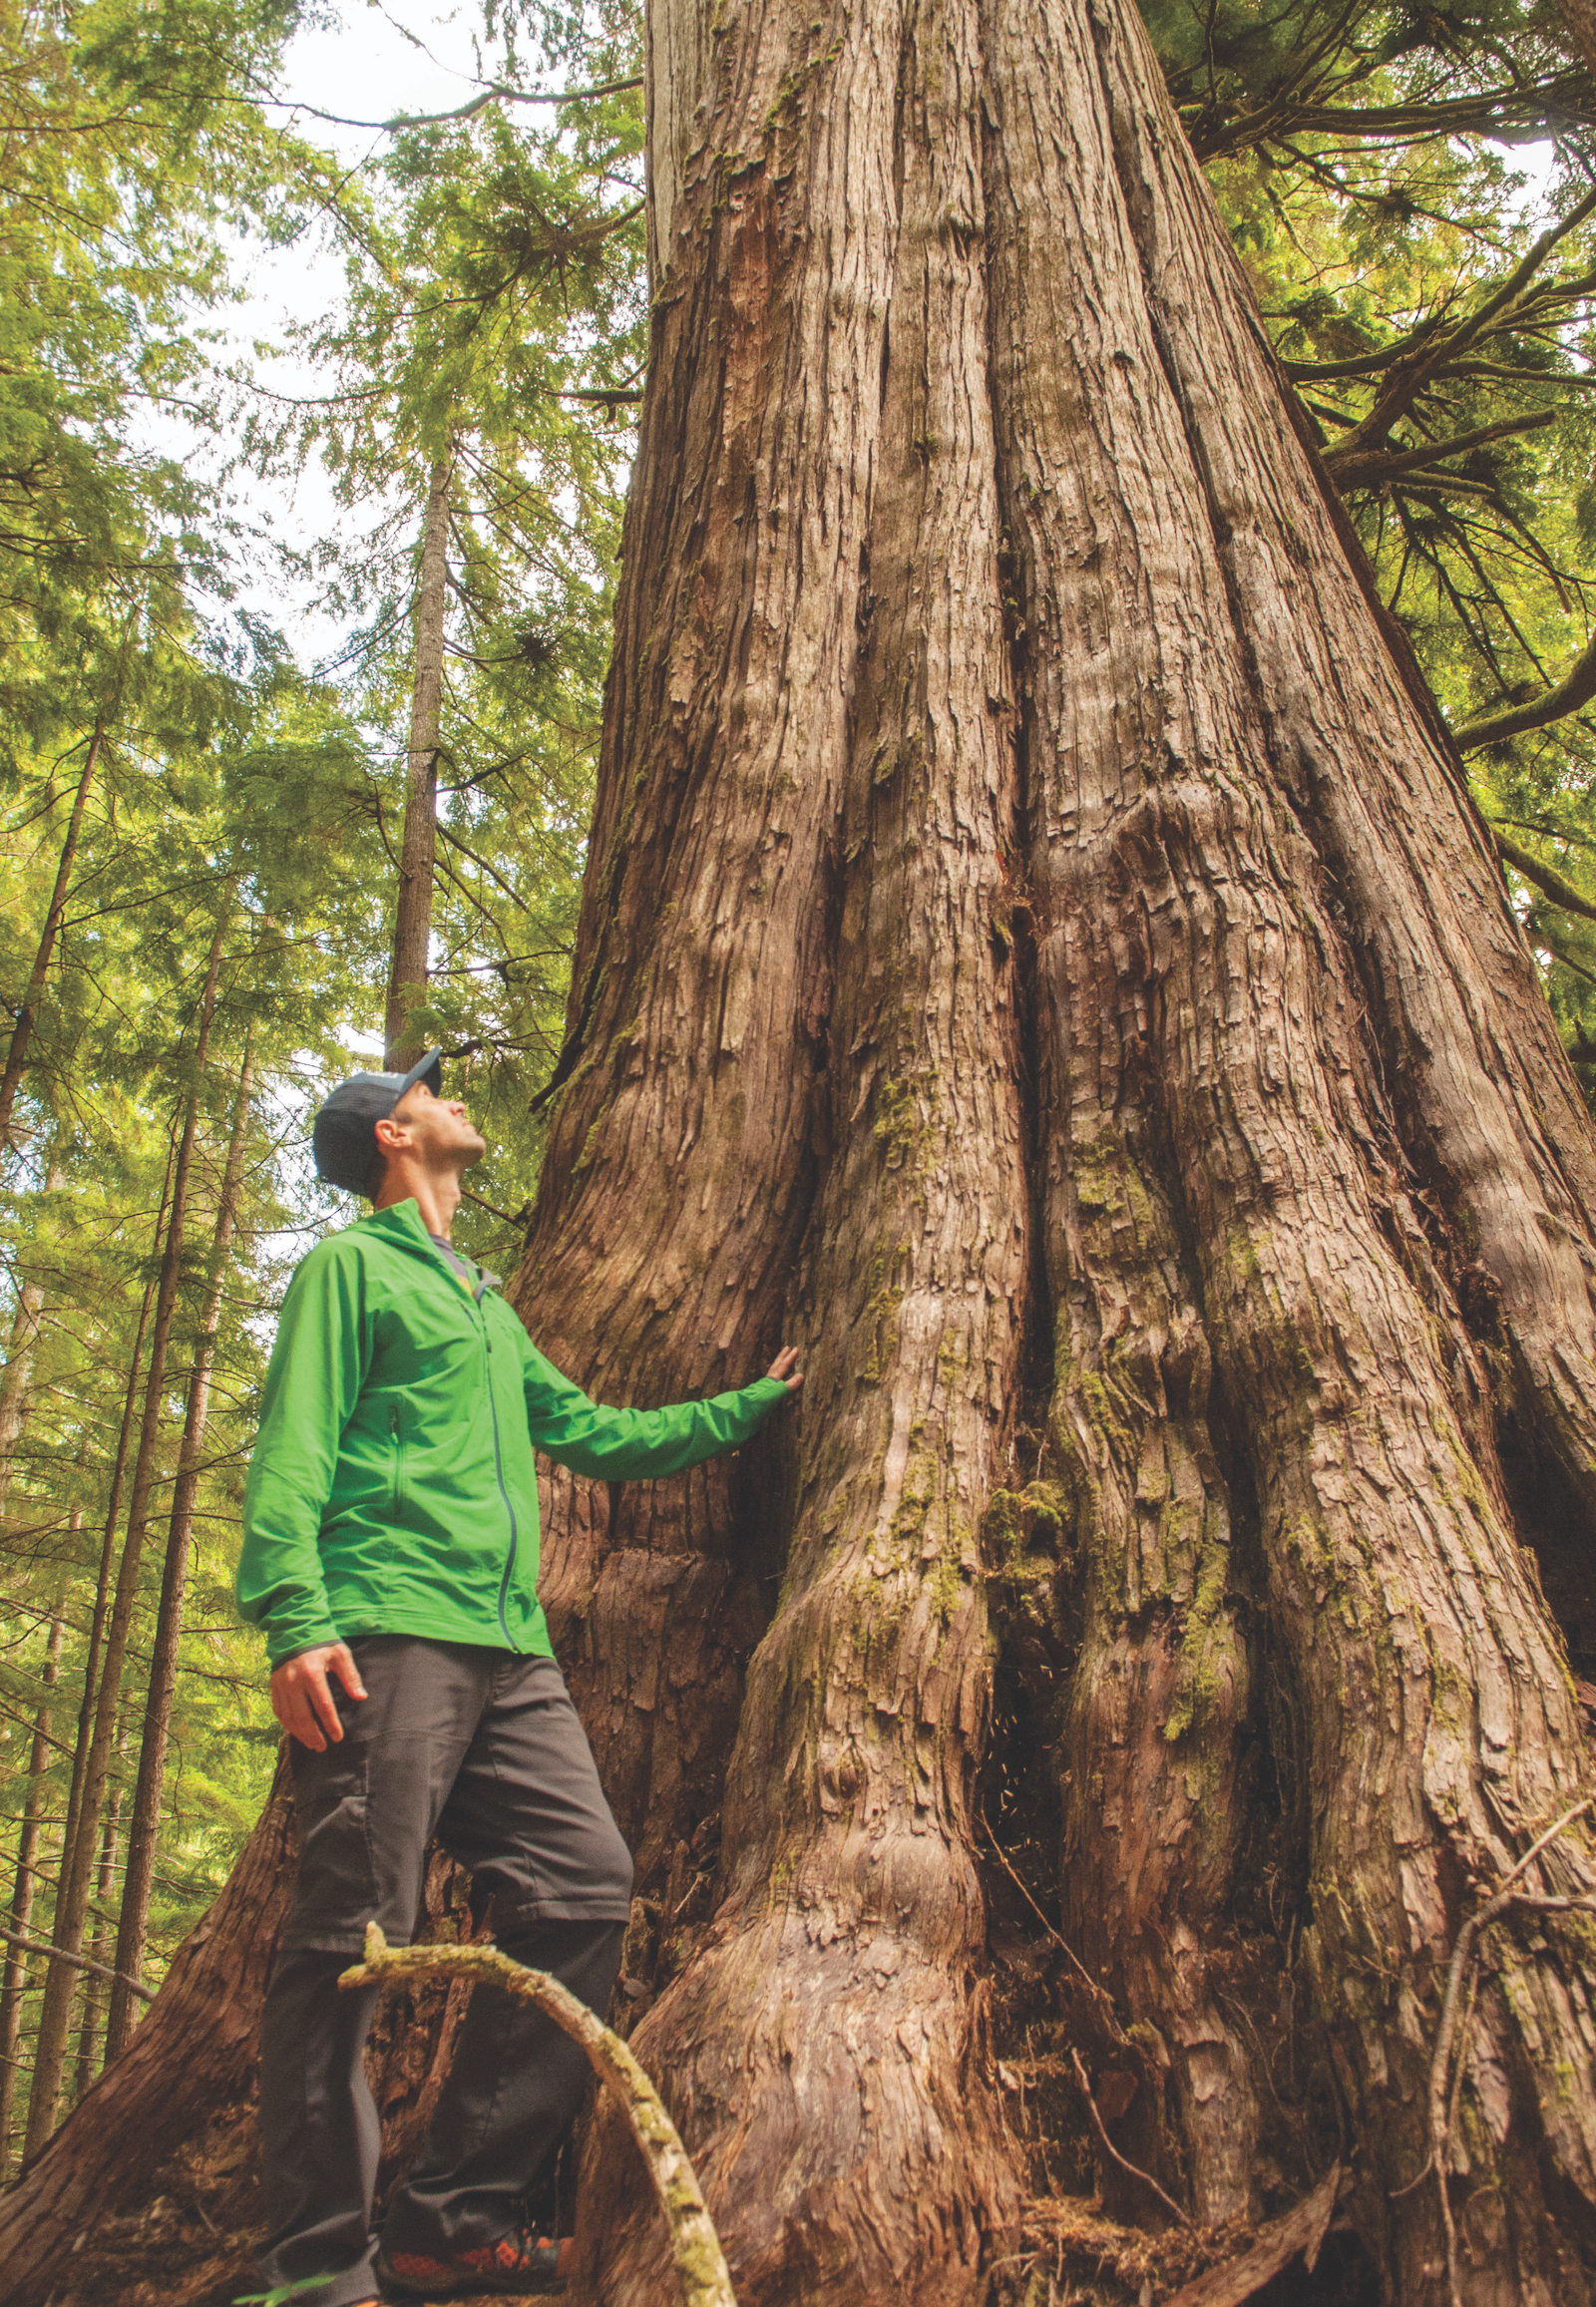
[{"x": 485, "y": 1749}]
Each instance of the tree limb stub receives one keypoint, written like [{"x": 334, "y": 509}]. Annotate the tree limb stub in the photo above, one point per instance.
[{"x": 701, "y": 2270}]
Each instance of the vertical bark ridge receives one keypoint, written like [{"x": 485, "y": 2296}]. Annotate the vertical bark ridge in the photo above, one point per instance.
[
  {"x": 1435, "y": 1714},
  {"x": 1150, "y": 1757},
  {"x": 1485, "y": 1099},
  {"x": 680, "y": 1161},
  {"x": 822, "y": 2046}
]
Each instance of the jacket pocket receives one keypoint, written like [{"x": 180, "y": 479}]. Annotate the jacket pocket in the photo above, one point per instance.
[{"x": 397, "y": 1444}]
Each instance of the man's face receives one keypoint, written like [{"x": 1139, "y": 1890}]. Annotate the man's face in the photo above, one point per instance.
[{"x": 433, "y": 1130}]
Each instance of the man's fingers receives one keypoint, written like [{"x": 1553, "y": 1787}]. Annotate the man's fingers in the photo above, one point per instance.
[
  {"x": 323, "y": 1704},
  {"x": 299, "y": 1722},
  {"x": 343, "y": 1666}
]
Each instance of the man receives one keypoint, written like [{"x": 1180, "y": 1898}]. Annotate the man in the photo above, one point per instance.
[{"x": 390, "y": 1552}]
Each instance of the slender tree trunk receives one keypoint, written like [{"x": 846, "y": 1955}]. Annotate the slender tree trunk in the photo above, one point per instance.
[
  {"x": 22, "y": 1897},
  {"x": 145, "y": 1821},
  {"x": 14, "y": 1382},
  {"x": 100, "y": 1946},
  {"x": 412, "y": 916},
  {"x": 22, "y": 1032},
  {"x": 72, "y": 1906},
  {"x": 19, "y": 1361},
  {"x": 84, "y": 1739}
]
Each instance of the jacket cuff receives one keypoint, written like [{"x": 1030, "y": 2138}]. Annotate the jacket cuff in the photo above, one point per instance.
[{"x": 287, "y": 1641}]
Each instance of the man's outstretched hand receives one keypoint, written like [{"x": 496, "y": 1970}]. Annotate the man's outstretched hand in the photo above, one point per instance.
[
  {"x": 300, "y": 1699},
  {"x": 784, "y": 1368}
]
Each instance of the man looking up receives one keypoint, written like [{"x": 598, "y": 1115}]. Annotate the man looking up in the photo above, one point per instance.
[{"x": 390, "y": 1553}]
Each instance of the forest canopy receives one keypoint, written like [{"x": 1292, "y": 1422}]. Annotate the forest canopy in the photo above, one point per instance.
[{"x": 209, "y": 823}]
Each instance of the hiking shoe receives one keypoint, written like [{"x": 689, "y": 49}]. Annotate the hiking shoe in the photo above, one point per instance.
[{"x": 517, "y": 2266}]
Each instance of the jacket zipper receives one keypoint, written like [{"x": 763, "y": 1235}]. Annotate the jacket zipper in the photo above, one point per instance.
[
  {"x": 398, "y": 1460},
  {"x": 498, "y": 1477}
]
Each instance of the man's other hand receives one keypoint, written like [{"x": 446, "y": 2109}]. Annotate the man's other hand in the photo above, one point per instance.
[
  {"x": 784, "y": 1368},
  {"x": 300, "y": 1699}
]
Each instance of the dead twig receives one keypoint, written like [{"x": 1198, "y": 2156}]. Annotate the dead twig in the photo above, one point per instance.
[
  {"x": 1109, "y": 2149},
  {"x": 1443, "y": 2099},
  {"x": 1092, "y": 1985},
  {"x": 701, "y": 2271}
]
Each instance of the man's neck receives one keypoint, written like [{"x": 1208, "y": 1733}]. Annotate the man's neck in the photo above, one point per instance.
[{"x": 436, "y": 1197}]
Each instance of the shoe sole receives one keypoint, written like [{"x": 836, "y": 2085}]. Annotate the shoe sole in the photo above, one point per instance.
[{"x": 474, "y": 2287}]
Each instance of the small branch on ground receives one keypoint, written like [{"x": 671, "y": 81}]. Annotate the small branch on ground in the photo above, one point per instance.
[{"x": 701, "y": 2271}]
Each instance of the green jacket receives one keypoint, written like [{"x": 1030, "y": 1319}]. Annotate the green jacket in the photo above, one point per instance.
[{"x": 392, "y": 1488}]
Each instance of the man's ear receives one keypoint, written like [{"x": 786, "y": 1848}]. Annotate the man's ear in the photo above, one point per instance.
[{"x": 390, "y": 1135}]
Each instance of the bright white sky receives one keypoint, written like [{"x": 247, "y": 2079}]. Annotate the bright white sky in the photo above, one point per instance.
[{"x": 374, "y": 61}]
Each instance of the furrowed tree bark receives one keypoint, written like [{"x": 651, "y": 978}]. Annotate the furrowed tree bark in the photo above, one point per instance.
[
  {"x": 412, "y": 914},
  {"x": 1268, "y": 774},
  {"x": 852, "y": 1916},
  {"x": 144, "y": 1816},
  {"x": 55, "y": 2018},
  {"x": 22, "y": 1897},
  {"x": 16, "y": 1064}
]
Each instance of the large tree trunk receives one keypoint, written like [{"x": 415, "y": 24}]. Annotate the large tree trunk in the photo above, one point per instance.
[
  {"x": 1039, "y": 952},
  {"x": 1311, "y": 1185}
]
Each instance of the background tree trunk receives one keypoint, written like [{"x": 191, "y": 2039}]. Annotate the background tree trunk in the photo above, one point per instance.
[
  {"x": 412, "y": 914},
  {"x": 144, "y": 1816},
  {"x": 102, "y": 1942},
  {"x": 22, "y": 1897},
  {"x": 16, "y": 1064},
  {"x": 19, "y": 1359},
  {"x": 55, "y": 2019},
  {"x": 1039, "y": 952}
]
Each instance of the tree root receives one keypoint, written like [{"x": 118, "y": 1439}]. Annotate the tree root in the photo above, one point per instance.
[{"x": 701, "y": 2268}]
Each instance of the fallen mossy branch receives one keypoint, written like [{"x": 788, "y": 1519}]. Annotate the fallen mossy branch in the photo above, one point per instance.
[{"x": 694, "y": 2246}]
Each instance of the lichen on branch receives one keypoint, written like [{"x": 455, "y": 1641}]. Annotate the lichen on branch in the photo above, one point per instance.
[{"x": 695, "y": 2248}]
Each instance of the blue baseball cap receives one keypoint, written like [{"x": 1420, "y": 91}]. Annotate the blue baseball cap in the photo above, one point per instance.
[{"x": 343, "y": 1135}]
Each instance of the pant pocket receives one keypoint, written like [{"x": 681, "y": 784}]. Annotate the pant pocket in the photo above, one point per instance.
[{"x": 335, "y": 1895}]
